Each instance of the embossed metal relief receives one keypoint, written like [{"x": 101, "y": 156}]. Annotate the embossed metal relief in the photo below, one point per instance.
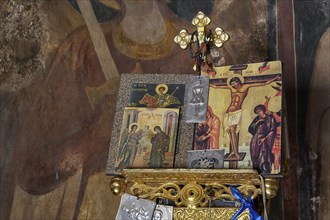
[
  {"x": 163, "y": 212},
  {"x": 132, "y": 207}
]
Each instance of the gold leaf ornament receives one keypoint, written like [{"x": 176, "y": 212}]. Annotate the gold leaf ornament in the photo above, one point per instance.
[
  {"x": 220, "y": 37},
  {"x": 200, "y": 20},
  {"x": 183, "y": 39}
]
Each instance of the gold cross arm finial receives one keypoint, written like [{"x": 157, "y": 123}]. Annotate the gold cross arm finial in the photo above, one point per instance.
[
  {"x": 220, "y": 37},
  {"x": 183, "y": 39},
  {"x": 200, "y": 20}
]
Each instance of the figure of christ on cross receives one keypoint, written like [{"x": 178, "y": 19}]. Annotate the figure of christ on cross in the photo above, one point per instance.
[{"x": 232, "y": 118}]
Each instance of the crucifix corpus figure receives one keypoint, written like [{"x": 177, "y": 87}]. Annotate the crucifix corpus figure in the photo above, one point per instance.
[{"x": 232, "y": 118}]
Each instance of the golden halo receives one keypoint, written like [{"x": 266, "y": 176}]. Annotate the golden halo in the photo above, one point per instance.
[
  {"x": 235, "y": 75},
  {"x": 161, "y": 85},
  {"x": 130, "y": 125},
  {"x": 143, "y": 50}
]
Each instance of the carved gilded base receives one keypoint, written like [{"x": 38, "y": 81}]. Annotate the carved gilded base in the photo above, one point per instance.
[{"x": 192, "y": 189}]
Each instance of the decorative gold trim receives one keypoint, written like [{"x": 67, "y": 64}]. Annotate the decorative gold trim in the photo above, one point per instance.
[
  {"x": 271, "y": 185},
  {"x": 191, "y": 188},
  {"x": 237, "y": 176},
  {"x": 118, "y": 186},
  {"x": 163, "y": 182},
  {"x": 209, "y": 213}
]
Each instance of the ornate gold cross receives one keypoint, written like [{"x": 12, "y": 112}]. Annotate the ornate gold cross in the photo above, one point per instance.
[
  {"x": 202, "y": 37},
  {"x": 201, "y": 21}
]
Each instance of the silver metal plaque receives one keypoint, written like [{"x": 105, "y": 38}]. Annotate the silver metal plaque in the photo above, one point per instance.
[
  {"x": 133, "y": 208},
  {"x": 197, "y": 98}
]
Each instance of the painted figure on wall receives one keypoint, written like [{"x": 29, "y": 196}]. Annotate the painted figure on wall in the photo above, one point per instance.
[
  {"x": 129, "y": 147},
  {"x": 263, "y": 129},
  {"x": 318, "y": 127},
  {"x": 208, "y": 133},
  {"x": 215, "y": 57},
  {"x": 233, "y": 116},
  {"x": 160, "y": 143}
]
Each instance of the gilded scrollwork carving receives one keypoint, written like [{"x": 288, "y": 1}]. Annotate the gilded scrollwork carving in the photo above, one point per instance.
[
  {"x": 192, "y": 190},
  {"x": 167, "y": 190},
  {"x": 192, "y": 194}
]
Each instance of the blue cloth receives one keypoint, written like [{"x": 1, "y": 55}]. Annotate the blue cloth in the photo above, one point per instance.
[{"x": 246, "y": 204}]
